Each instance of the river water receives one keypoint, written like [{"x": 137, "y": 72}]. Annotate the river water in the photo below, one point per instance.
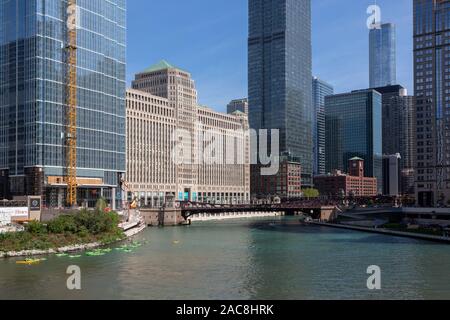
[{"x": 243, "y": 259}]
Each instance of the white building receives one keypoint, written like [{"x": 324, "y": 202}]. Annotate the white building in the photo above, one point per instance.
[{"x": 177, "y": 148}]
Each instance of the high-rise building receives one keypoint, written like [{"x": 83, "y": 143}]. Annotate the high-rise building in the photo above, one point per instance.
[
  {"x": 321, "y": 89},
  {"x": 33, "y": 40},
  {"x": 399, "y": 131},
  {"x": 383, "y": 55},
  {"x": 178, "y": 148},
  {"x": 432, "y": 83},
  {"x": 280, "y": 73},
  {"x": 240, "y": 105},
  {"x": 354, "y": 128}
]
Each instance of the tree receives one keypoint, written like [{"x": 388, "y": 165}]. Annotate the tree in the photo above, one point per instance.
[{"x": 311, "y": 193}]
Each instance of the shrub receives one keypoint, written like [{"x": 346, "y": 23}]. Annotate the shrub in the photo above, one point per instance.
[
  {"x": 35, "y": 227},
  {"x": 63, "y": 224},
  {"x": 83, "y": 232},
  {"x": 97, "y": 222}
]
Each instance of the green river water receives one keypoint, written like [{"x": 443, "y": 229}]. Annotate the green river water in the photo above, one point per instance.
[{"x": 243, "y": 259}]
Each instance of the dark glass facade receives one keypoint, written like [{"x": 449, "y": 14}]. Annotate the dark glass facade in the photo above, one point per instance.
[
  {"x": 354, "y": 129},
  {"x": 32, "y": 96},
  {"x": 280, "y": 73},
  {"x": 399, "y": 131},
  {"x": 321, "y": 89},
  {"x": 383, "y": 55},
  {"x": 432, "y": 91}
]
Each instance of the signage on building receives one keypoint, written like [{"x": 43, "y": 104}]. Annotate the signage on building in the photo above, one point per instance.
[
  {"x": 35, "y": 204},
  {"x": 8, "y": 214},
  {"x": 35, "y": 207}
]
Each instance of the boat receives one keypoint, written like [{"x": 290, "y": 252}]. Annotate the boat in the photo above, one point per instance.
[
  {"x": 94, "y": 254},
  {"x": 29, "y": 262},
  {"x": 75, "y": 257}
]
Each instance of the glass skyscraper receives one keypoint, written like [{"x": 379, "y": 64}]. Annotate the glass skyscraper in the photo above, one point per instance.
[
  {"x": 32, "y": 98},
  {"x": 399, "y": 131},
  {"x": 321, "y": 89},
  {"x": 354, "y": 129},
  {"x": 432, "y": 91},
  {"x": 383, "y": 55},
  {"x": 280, "y": 73}
]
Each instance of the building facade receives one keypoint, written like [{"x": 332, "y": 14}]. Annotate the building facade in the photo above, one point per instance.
[
  {"x": 321, "y": 89},
  {"x": 432, "y": 91},
  {"x": 354, "y": 184},
  {"x": 382, "y": 55},
  {"x": 32, "y": 99},
  {"x": 399, "y": 131},
  {"x": 286, "y": 184},
  {"x": 280, "y": 73},
  {"x": 240, "y": 105},
  {"x": 392, "y": 178},
  {"x": 354, "y": 128},
  {"x": 176, "y": 148}
]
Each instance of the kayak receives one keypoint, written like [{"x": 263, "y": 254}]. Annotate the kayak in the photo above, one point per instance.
[
  {"x": 29, "y": 262},
  {"x": 60, "y": 255},
  {"x": 75, "y": 257}
]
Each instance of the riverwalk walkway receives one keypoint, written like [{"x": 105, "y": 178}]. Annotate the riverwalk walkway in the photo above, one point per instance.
[{"x": 419, "y": 236}]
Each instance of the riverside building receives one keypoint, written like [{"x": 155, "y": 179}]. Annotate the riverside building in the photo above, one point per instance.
[
  {"x": 176, "y": 148},
  {"x": 33, "y": 100},
  {"x": 353, "y": 184}
]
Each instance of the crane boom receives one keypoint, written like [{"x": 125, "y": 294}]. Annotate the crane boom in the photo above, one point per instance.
[{"x": 71, "y": 104}]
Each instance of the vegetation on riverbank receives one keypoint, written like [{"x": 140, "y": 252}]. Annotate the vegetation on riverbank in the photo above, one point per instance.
[{"x": 79, "y": 228}]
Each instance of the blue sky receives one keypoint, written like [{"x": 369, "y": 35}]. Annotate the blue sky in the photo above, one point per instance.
[{"x": 209, "y": 39}]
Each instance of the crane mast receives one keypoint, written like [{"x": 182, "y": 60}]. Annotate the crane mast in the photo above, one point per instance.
[{"x": 71, "y": 104}]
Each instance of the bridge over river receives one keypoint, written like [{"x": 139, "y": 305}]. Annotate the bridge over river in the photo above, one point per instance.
[{"x": 184, "y": 212}]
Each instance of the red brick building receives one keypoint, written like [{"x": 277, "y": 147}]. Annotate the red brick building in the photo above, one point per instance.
[
  {"x": 285, "y": 184},
  {"x": 352, "y": 184}
]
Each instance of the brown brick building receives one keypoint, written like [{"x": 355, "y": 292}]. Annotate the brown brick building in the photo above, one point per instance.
[
  {"x": 352, "y": 184},
  {"x": 285, "y": 184}
]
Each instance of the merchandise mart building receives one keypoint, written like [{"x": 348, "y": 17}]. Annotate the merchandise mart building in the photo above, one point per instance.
[
  {"x": 178, "y": 149},
  {"x": 33, "y": 95}
]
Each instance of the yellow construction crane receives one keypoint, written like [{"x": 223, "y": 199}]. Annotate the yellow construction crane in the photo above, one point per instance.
[{"x": 71, "y": 103}]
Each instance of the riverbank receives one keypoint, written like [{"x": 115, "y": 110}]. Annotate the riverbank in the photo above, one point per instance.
[
  {"x": 418, "y": 236},
  {"x": 73, "y": 248},
  {"x": 80, "y": 231}
]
